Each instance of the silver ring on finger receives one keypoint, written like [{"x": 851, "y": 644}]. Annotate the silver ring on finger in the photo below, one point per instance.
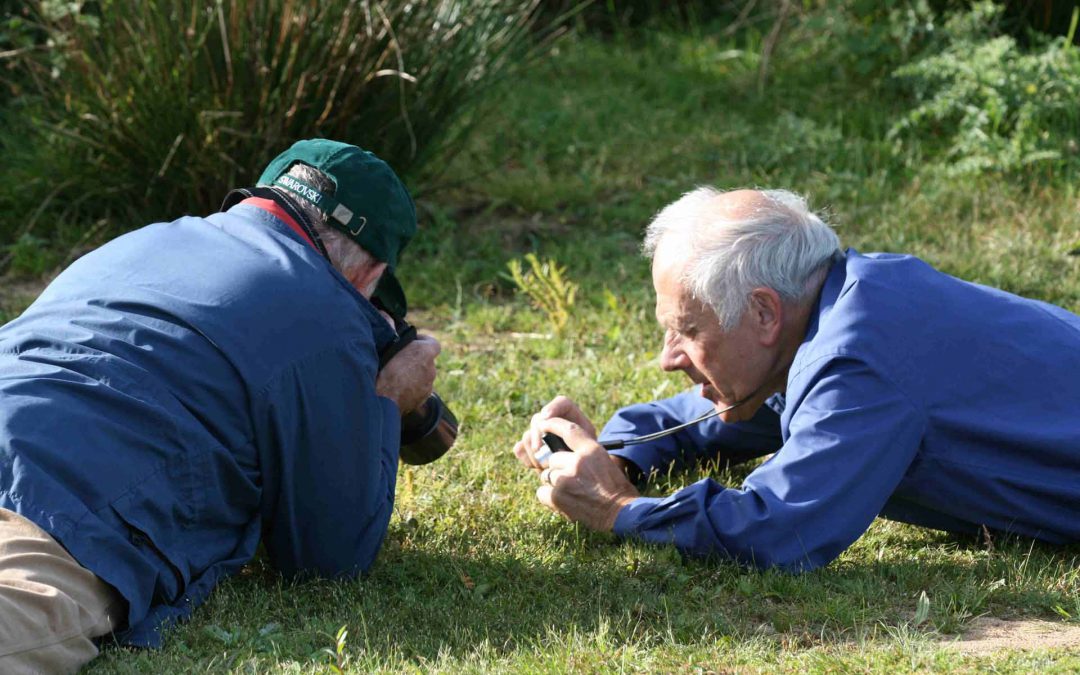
[{"x": 545, "y": 477}]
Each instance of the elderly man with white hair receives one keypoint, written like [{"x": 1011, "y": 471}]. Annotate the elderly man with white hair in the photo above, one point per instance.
[{"x": 883, "y": 386}]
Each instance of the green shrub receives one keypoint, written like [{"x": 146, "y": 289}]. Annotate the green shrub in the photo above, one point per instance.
[
  {"x": 985, "y": 104},
  {"x": 147, "y": 110},
  {"x": 868, "y": 39},
  {"x": 30, "y": 256}
]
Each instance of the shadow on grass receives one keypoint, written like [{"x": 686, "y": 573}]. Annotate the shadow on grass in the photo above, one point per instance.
[
  {"x": 419, "y": 607},
  {"x": 414, "y": 606}
]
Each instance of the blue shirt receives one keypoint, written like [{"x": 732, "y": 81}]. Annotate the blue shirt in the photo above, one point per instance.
[
  {"x": 914, "y": 395},
  {"x": 190, "y": 388}
]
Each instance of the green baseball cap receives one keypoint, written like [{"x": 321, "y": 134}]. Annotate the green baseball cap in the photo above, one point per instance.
[{"x": 370, "y": 205}]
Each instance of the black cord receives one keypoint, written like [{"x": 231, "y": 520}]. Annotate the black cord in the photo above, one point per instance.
[{"x": 616, "y": 445}]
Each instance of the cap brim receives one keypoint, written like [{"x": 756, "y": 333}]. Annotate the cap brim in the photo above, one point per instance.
[{"x": 390, "y": 295}]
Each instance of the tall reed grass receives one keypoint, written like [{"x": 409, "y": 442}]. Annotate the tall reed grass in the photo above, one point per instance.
[{"x": 145, "y": 110}]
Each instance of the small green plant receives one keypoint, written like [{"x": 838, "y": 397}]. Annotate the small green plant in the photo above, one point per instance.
[
  {"x": 922, "y": 609},
  {"x": 30, "y": 256},
  {"x": 547, "y": 286},
  {"x": 336, "y": 654}
]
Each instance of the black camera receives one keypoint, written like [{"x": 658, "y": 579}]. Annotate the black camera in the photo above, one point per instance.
[{"x": 430, "y": 430}]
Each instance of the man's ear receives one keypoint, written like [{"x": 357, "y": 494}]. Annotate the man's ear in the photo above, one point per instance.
[
  {"x": 767, "y": 315},
  {"x": 364, "y": 278}
]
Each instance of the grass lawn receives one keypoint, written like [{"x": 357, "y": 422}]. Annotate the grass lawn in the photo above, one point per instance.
[{"x": 475, "y": 575}]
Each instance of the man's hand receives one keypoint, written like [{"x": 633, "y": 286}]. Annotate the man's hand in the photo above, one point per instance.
[
  {"x": 560, "y": 406},
  {"x": 584, "y": 485},
  {"x": 409, "y": 377}
]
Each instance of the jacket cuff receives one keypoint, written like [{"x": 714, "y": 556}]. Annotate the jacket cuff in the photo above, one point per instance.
[
  {"x": 630, "y": 516},
  {"x": 644, "y": 458}
]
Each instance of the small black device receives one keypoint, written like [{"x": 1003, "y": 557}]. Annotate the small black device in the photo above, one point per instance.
[
  {"x": 430, "y": 430},
  {"x": 557, "y": 444}
]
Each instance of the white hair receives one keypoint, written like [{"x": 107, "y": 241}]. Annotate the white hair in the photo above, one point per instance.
[
  {"x": 778, "y": 243},
  {"x": 345, "y": 254}
]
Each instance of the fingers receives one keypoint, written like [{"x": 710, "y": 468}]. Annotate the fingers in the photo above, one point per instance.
[
  {"x": 563, "y": 407},
  {"x": 430, "y": 343},
  {"x": 527, "y": 448},
  {"x": 534, "y": 424},
  {"x": 522, "y": 454},
  {"x": 579, "y": 439},
  {"x": 543, "y": 495},
  {"x": 526, "y": 456},
  {"x": 531, "y": 451},
  {"x": 409, "y": 377}
]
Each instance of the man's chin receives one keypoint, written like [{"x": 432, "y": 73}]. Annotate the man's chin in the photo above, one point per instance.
[
  {"x": 740, "y": 410},
  {"x": 741, "y": 414}
]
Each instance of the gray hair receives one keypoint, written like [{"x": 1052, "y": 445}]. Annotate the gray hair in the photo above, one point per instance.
[
  {"x": 778, "y": 243},
  {"x": 345, "y": 254}
]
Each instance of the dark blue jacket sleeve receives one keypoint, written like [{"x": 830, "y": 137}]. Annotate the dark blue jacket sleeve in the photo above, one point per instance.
[
  {"x": 707, "y": 440},
  {"x": 852, "y": 438},
  {"x": 329, "y": 464}
]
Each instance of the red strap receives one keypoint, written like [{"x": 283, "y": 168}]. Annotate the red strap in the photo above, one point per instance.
[{"x": 279, "y": 213}]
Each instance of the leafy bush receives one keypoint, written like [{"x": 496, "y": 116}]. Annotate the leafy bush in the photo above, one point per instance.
[
  {"x": 868, "y": 39},
  {"x": 150, "y": 109},
  {"x": 989, "y": 105}
]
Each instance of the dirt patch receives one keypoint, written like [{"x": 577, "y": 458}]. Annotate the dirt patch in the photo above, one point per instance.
[
  {"x": 987, "y": 635},
  {"x": 15, "y": 295}
]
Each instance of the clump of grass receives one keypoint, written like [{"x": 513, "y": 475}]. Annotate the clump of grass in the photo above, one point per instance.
[{"x": 150, "y": 110}]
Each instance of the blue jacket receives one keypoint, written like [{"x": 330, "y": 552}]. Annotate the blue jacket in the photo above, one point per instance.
[
  {"x": 914, "y": 395},
  {"x": 189, "y": 388}
]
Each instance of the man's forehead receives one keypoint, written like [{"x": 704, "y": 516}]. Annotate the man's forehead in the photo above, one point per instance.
[{"x": 673, "y": 299}]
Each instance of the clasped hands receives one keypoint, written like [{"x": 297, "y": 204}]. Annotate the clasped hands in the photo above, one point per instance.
[
  {"x": 409, "y": 378},
  {"x": 587, "y": 485}
]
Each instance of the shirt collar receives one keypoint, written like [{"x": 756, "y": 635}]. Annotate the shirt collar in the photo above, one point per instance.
[
  {"x": 272, "y": 207},
  {"x": 831, "y": 289}
]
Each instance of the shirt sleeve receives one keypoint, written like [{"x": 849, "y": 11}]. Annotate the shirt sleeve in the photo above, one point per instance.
[
  {"x": 329, "y": 453},
  {"x": 852, "y": 437},
  {"x": 706, "y": 440}
]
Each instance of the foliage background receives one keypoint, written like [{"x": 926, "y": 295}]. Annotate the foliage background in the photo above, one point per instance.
[{"x": 943, "y": 129}]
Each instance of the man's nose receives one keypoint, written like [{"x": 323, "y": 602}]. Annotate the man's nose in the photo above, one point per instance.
[{"x": 673, "y": 358}]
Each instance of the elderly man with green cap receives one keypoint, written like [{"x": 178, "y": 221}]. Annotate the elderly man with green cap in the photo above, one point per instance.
[{"x": 194, "y": 388}]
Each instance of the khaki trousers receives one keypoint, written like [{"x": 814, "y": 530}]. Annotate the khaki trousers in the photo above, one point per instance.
[{"x": 50, "y": 606}]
